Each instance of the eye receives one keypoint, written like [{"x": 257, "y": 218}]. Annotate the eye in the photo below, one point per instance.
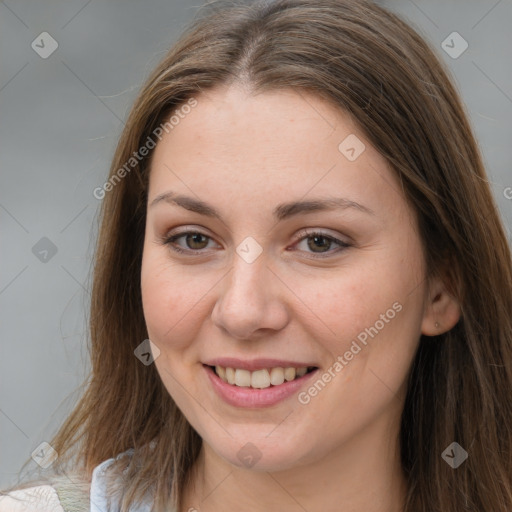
[
  {"x": 194, "y": 241},
  {"x": 317, "y": 242}
]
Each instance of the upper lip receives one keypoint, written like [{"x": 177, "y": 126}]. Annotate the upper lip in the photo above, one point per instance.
[{"x": 255, "y": 364}]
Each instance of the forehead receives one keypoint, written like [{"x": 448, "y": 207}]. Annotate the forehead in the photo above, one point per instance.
[
  {"x": 273, "y": 145},
  {"x": 230, "y": 118}
]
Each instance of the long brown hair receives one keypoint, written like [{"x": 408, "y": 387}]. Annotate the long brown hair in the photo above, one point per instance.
[{"x": 366, "y": 61}]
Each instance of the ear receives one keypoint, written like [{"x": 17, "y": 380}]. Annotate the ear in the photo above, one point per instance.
[{"x": 442, "y": 310}]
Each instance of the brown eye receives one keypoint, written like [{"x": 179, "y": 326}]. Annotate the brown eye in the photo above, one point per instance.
[
  {"x": 194, "y": 241},
  {"x": 319, "y": 245},
  {"x": 319, "y": 242}
]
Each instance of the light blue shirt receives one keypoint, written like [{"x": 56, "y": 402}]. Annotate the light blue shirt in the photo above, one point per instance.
[{"x": 99, "y": 491}]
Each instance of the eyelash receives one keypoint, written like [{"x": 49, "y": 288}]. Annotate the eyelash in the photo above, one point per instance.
[{"x": 169, "y": 241}]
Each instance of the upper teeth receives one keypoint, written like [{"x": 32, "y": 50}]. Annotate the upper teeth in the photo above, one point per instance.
[{"x": 260, "y": 378}]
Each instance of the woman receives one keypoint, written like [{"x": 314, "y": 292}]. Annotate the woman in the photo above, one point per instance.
[{"x": 298, "y": 218}]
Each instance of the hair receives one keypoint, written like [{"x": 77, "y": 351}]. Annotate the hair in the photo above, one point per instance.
[{"x": 373, "y": 66}]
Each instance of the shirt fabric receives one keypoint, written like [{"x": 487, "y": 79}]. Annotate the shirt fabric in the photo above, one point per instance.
[
  {"x": 98, "y": 493},
  {"x": 66, "y": 496}
]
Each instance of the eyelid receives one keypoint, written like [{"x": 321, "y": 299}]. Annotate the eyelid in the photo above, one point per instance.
[
  {"x": 303, "y": 234},
  {"x": 306, "y": 233},
  {"x": 170, "y": 236}
]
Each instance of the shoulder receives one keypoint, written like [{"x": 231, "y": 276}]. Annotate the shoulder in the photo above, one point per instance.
[
  {"x": 60, "y": 494},
  {"x": 66, "y": 494},
  {"x": 108, "y": 487},
  {"x": 41, "y": 498}
]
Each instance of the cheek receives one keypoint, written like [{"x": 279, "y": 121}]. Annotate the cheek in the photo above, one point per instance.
[
  {"x": 345, "y": 303},
  {"x": 377, "y": 305},
  {"x": 168, "y": 298},
  {"x": 171, "y": 308}
]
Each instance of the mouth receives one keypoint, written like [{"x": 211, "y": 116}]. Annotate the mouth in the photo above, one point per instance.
[
  {"x": 265, "y": 385},
  {"x": 262, "y": 378}
]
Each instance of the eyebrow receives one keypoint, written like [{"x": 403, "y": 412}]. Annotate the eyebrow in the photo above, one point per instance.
[{"x": 281, "y": 212}]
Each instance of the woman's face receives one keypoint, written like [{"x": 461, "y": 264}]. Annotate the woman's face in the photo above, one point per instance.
[{"x": 279, "y": 278}]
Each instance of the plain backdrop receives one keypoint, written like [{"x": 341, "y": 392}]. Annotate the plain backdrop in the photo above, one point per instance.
[{"x": 61, "y": 117}]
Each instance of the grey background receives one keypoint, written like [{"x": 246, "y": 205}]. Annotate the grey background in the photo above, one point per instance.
[{"x": 60, "y": 120}]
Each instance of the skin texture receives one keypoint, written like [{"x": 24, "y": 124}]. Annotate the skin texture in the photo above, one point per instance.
[{"x": 244, "y": 154}]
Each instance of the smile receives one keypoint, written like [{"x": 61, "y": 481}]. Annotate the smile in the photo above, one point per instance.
[
  {"x": 258, "y": 388},
  {"x": 260, "y": 379}
]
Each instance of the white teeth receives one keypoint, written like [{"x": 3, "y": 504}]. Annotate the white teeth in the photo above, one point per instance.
[
  {"x": 276, "y": 376},
  {"x": 221, "y": 372},
  {"x": 259, "y": 379},
  {"x": 230, "y": 375},
  {"x": 243, "y": 378},
  {"x": 289, "y": 374}
]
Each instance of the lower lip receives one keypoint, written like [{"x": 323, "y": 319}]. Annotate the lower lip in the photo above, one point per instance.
[{"x": 255, "y": 398}]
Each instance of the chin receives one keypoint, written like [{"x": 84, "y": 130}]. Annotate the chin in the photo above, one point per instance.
[{"x": 259, "y": 453}]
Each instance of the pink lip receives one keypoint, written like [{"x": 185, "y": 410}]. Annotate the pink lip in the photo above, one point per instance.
[
  {"x": 255, "y": 364},
  {"x": 255, "y": 398}
]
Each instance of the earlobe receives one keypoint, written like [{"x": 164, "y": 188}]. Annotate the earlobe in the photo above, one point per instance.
[{"x": 442, "y": 310}]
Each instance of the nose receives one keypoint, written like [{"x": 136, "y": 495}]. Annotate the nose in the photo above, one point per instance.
[{"x": 251, "y": 301}]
